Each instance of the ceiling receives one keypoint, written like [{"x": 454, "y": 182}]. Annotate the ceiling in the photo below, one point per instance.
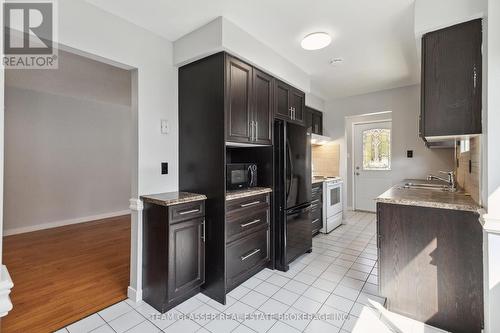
[{"x": 374, "y": 38}]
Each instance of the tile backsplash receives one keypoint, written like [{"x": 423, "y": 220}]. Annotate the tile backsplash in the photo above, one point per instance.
[
  {"x": 326, "y": 160},
  {"x": 468, "y": 166}
]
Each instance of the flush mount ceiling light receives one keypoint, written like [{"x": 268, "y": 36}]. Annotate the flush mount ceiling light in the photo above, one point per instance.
[{"x": 316, "y": 41}]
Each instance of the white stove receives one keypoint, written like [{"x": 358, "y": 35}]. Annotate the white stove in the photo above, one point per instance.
[{"x": 332, "y": 204}]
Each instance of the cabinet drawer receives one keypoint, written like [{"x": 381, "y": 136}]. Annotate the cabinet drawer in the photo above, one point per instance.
[
  {"x": 239, "y": 225},
  {"x": 245, "y": 254},
  {"x": 317, "y": 223},
  {"x": 316, "y": 213},
  {"x": 186, "y": 211},
  {"x": 316, "y": 205},
  {"x": 317, "y": 196},
  {"x": 248, "y": 203}
]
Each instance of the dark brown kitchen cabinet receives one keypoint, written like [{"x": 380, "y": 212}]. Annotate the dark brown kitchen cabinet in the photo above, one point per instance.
[
  {"x": 451, "y": 81},
  {"x": 431, "y": 265},
  {"x": 247, "y": 237},
  {"x": 282, "y": 99},
  {"x": 289, "y": 103},
  {"x": 173, "y": 253},
  {"x": 317, "y": 208},
  {"x": 298, "y": 105},
  {"x": 262, "y": 107},
  {"x": 249, "y": 109},
  {"x": 186, "y": 258},
  {"x": 314, "y": 120},
  {"x": 239, "y": 98}
]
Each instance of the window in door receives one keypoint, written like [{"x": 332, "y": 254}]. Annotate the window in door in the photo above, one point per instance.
[{"x": 377, "y": 149}]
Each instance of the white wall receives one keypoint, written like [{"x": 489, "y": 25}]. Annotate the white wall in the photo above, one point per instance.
[
  {"x": 492, "y": 170},
  {"x": 66, "y": 160},
  {"x": 493, "y": 107},
  {"x": 315, "y": 102},
  {"x": 86, "y": 28},
  {"x": 405, "y": 106},
  {"x": 67, "y": 144}
]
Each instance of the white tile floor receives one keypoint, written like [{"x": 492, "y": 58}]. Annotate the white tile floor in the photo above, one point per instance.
[{"x": 337, "y": 283}]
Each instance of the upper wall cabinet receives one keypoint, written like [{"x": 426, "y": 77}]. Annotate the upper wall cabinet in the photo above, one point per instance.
[
  {"x": 451, "y": 81},
  {"x": 249, "y": 96},
  {"x": 262, "y": 107},
  {"x": 290, "y": 103},
  {"x": 314, "y": 120},
  {"x": 239, "y": 97}
]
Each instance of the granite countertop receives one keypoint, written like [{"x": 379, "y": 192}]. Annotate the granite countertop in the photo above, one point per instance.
[
  {"x": 248, "y": 192},
  {"x": 316, "y": 180},
  {"x": 459, "y": 200},
  {"x": 172, "y": 198}
]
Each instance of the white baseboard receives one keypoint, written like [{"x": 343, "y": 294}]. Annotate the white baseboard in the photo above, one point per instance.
[
  {"x": 134, "y": 295},
  {"x": 15, "y": 231}
]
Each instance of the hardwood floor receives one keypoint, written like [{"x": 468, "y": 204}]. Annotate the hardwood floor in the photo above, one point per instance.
[{"x": 64, "y": 274}]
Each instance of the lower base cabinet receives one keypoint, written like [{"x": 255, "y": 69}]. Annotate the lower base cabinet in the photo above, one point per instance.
[
  {"x": 317, "y": 208},
  {"x": 173, "y": 253},
  {"x": 431, "y": 265},
  {"x": 246, "y": 256},
  {"x": 248, "y": 238}
]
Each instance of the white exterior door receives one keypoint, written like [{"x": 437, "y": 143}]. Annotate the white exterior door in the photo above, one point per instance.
[{"x": 372, "y": 163}]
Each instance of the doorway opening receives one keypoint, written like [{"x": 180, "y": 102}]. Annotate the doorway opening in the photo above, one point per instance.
[
  {"x": 369, "y": 162},
  {"x": 68, "y": 152}
]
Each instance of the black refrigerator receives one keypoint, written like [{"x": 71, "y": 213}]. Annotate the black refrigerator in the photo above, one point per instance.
[{"x": 292, "y": 197}]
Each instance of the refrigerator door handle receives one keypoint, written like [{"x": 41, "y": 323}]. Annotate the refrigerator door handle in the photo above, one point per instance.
[{"x": 289, "y": 156}]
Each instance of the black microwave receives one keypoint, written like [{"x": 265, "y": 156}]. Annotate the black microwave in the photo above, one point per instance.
[{"x": 239, "y": 176}]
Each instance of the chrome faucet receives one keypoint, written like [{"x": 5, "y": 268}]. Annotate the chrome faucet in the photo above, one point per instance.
[{"x": 450, "y": 180}]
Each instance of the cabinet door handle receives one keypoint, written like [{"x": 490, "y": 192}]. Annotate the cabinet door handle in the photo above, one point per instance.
[
  {"x": 185, "y": 212},
  {"x": 251, "y": 130},
  {"x": 249, "y": 204},
  {"x": 203, "y": 231},
  {"x": 254, "y": 252},
  {"x": 256, "y": 130},
  {"x": 475, "y": 77},
  {"x": 249, "y": 223}
]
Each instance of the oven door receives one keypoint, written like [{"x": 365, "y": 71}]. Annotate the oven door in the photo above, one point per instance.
[{"x": 333, "y": 199}]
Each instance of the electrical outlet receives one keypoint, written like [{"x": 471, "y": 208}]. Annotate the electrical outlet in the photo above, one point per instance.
[
  {"x": 164, "y": 168},
  {"x": 409, "y": 153}
]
